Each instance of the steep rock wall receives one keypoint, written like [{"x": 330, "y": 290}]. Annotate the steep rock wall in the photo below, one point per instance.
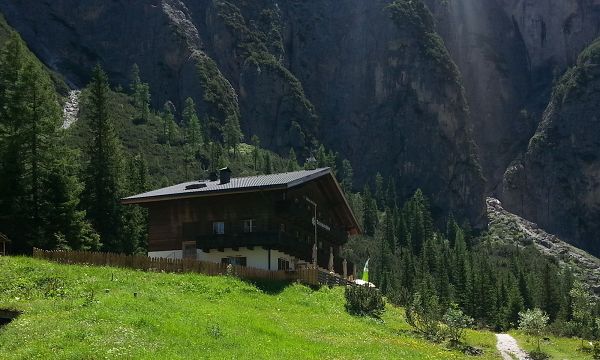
[
  {"x": 370, "y": 79},
  {"x": 557, "y": 181}
]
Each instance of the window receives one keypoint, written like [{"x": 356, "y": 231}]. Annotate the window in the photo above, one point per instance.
[
  {"x": 248, "y": 225},
  {"x": 234, "y": 260},
  {"x": 189, "y": 250},
  {"x": 219, "y": 227},
  {"x": 283, "y": 264}
]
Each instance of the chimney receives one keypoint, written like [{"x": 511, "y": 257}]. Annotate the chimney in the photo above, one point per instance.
[
  {"x": 213, "y": 176},
  {"x": 225, "y": 175}
]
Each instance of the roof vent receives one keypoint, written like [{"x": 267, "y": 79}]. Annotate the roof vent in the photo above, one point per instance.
[
  {"x": 225, "y": 175},
  {"x": 195, "y": 186}
]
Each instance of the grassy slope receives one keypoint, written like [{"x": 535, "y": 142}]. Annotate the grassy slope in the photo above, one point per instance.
[
  {"x": 191, "y": 316},
  {"x": 557, "y": 348},
  {"x": 166, "y": 163}
]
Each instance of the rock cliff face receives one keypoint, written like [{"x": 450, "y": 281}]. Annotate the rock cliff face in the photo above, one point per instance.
[
  {"x": 370, "y": 79},
  {"x": 556, "y": 183},
  {"x": 509, "y": 52}
]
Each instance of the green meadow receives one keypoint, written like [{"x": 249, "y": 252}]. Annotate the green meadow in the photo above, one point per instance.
[{"x": 85, "y": 312}]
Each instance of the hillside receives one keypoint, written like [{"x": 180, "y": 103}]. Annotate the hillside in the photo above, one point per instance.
[{"x": 101, "y": 312}]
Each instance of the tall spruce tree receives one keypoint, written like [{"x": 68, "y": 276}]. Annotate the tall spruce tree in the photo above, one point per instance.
[
  {"x": 103, "y": 175},
  {"x": 232, "y": 133},
  {"x": 141, "y": 94},
  {"x": 347, "y": 176},
  {"x": 292, "y": 164},
  {"x": 39, "y": 189},
  {"x": 194, "y": 134}
]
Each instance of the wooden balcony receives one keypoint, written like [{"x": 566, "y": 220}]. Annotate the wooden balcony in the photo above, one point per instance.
[
  {"x": 302, "y": 216},
  {"x": 270, "y": 240}
]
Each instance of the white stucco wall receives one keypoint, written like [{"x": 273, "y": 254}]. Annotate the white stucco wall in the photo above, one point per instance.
[{"x": 257, "y": 258}]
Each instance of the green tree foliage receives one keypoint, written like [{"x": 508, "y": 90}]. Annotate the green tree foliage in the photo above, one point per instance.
[
  {"x": 456, "y": 322},
  {"x": 346, "y": 176},
  {"x": 292, "y": 161},
  {"x": 583, "y": 304},
  {"x": 534, "y": 323},
  {"x": 255, "y": 151},
  {"x": 141, "y": 94},
  {"x": 424, "y": 314},
  {"x": 105, "y": 168},
  {"x": 232, "y": 133},
  {"x": 370, "y": 215},
  {"x": 39, "y": 189},
  {"x": 170, "y": 129},
  {"x": 194, "y": 134},
  {"x": 364, "y": 301}
]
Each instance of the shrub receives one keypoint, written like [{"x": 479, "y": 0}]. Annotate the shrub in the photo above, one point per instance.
[
  {"x": 533, "y": 323},
  {"x": 538, "y": 355},
  {"x": 456, "y": 322},
  {"x": 364, "y": 301},
  {"x": 424, "y": 315},
  {"x": 596, "y": 351}
]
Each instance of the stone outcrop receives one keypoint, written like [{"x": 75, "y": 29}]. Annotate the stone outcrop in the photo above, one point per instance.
[
  {"x": 506, "y": 227},
  {"x": 370, "y": 79},
  {"x": 509, "y": 53},
  {"x": 556, "y": 183}
]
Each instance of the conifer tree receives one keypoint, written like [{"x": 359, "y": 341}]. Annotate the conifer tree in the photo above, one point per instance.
[
  {"x": 103, "y": 175},
  {"x": 141, "y": 94},
  {"x": 39, "y": 189},
  {"x": 255, "y": 151},
  {"x": 292, "y": 162},
  {"x": 370, "y": 218},
  {"x": 347, "y": 176},
  {"x": 379, "y": 191},
  {"x": 169, "y": 126},
  {"x": 232, "y": 133},
  {"x": 191, "y": 123},
  {"x": 268, "y": 169}
]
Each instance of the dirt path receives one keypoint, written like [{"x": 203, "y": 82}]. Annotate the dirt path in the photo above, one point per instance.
[{"x": 509, "y": 349}]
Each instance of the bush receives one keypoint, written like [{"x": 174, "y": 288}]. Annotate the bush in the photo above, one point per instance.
[
  {"x": 424, "y": 315},
  {"x": 533, "y": 323},
  {"x": 596, "y": 351},
  {"x": 364, "y": 301},
  {"x": 456, "y": 322},
  {"x": 538, "y": 355}
]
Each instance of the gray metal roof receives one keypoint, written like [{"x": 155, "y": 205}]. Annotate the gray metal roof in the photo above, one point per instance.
[{"x": 250, "y": 183}]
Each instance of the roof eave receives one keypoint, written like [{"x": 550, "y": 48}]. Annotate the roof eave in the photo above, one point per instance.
[{"x": 181, "y": 196}]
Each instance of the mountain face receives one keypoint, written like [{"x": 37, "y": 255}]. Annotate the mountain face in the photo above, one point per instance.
[
  {"x": 557, "y": 181},
  {"x": 509, "y": 53},
  {"x": 406, "y": 88},
  {"x": 293, "y": 72}
]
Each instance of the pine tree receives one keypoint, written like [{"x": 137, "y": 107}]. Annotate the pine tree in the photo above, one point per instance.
[
  {"x": 370, "y": 218},
  {"x": 292, "y": 162},
  {"x": 268, "y": 169},
  {"x": 39, "y": 189},
  {"x": 232, "y": 133},
  {"x": 135, "y": 78},
  {"x": 105, "y": 166},
  {"x": 255, "y": 151},
  {"x": 379, "y": 191},
  {"x": 141, "y": 94},
  {"x": 169, "y": 126},
  {"x": 134, "y": 218},
  {"x": 347, "y": 176},
  {"x": 191, "y": 123}
]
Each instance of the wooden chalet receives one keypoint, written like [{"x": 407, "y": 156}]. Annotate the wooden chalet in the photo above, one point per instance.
[{"x": 265, "y": 222}]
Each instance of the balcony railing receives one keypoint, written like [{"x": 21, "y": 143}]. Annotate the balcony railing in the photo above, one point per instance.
[{"x": 270, "y": 240}]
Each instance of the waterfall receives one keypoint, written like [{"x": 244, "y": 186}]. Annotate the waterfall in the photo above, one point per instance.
[{"x": 71, "y": 109}]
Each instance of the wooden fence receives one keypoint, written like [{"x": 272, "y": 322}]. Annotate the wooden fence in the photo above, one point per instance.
[{"x": 145, "y": 263}]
